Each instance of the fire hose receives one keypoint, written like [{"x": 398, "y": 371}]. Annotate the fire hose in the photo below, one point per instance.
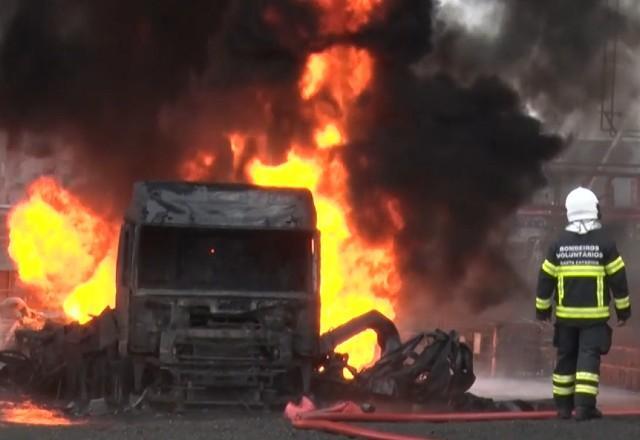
[
  {"x": 306, "y": 416},
  {"x": 350, "y": 430},
  {"x": 452, "y": 417},
  {"x": 334, "y": 419}
]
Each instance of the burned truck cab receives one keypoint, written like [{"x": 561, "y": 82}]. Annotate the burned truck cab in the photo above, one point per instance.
[{"x": 218, "y": 292}]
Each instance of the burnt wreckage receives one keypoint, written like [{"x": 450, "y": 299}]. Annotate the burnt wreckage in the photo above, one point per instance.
[{"x": 217, "y": 302}]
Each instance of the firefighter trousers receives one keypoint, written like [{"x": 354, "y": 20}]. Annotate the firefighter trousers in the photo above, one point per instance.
[{"x": 576, "y": 377}]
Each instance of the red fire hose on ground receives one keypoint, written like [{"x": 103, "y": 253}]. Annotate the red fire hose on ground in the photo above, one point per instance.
[
  {"x": 333, "y": 419},
  {"x": 341, "y": 428},
  {"x": 306, "y": 416}
]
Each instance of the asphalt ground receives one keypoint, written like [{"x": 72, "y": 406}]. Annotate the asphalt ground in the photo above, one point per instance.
[
  {"x": 260, "y": 425},
  {"x": 272, "y": 426}
]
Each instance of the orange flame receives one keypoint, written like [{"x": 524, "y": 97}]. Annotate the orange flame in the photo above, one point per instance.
[
  {"x": 314, "y": 75},
  {"x": 63, "y": 250},
  {"x": 344, "y": 71},
  {"x": 27, "y": 413},
  {"x": 346, "y": 15},
  {"x": 332, "y": 80},
  {"x": 328, "y": 137},
  {"x": 356, "y": 276},
  {"x": 352, "y": 271},
  {"x": 198, "y": 168},
  {"x": 237, "y": 142}
]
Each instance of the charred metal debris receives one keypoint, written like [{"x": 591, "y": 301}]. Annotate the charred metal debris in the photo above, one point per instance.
[{"x": 79, "y": 363}]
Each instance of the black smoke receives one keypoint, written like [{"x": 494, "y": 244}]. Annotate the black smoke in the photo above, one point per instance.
[
  {"x": 125, "y": 81},
  {"x": 552, "y": 51},
  {"x": 458, "y": 160},
  {"x": 137, "y": 86}
]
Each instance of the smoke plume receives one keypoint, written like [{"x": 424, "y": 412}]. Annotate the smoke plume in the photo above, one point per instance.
[
  {"x": 137, "y": 86},
  {"x": 551, "y": 51}
]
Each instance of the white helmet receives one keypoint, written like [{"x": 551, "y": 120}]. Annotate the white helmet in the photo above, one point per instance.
[{"x": 581, "y": 204}]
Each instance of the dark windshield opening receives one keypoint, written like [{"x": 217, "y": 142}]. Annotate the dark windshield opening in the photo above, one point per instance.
[{"x": 189, "y": 258}]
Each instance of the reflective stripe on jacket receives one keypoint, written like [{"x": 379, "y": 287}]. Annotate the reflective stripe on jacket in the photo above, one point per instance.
[{"x": 584, "y": 272}]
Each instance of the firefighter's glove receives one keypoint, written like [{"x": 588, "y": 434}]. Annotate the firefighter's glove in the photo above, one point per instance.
[{"x": 622, "y": 322}]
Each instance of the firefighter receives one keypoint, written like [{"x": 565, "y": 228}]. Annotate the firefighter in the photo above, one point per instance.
[{"x": 585, "y": 271}]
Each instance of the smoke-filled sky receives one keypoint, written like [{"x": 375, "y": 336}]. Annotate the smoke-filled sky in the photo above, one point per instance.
[
  {"x": 552, "y": 51},
  {"x": 137, "y": 86}
]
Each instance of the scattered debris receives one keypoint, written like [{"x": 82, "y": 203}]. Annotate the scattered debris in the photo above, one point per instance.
[
  {"x": 80, "y": 363},
  {"x": 429, "y": 368},
  {"x": 16, "y": 314},
  {"x": 64, "y": 361}
]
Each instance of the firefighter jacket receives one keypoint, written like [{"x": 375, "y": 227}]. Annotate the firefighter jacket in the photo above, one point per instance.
[{"x": 584, "y": 271}]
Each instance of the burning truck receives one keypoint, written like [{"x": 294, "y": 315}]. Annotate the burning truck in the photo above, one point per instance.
[
  {"x": 218, "y": 302},
  {"x": 218, "y": 286}
]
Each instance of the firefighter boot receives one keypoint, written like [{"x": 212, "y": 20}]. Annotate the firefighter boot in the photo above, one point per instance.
[
  {"x": 584, "y": 413},
  {"x": 564, "y": 406}
]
